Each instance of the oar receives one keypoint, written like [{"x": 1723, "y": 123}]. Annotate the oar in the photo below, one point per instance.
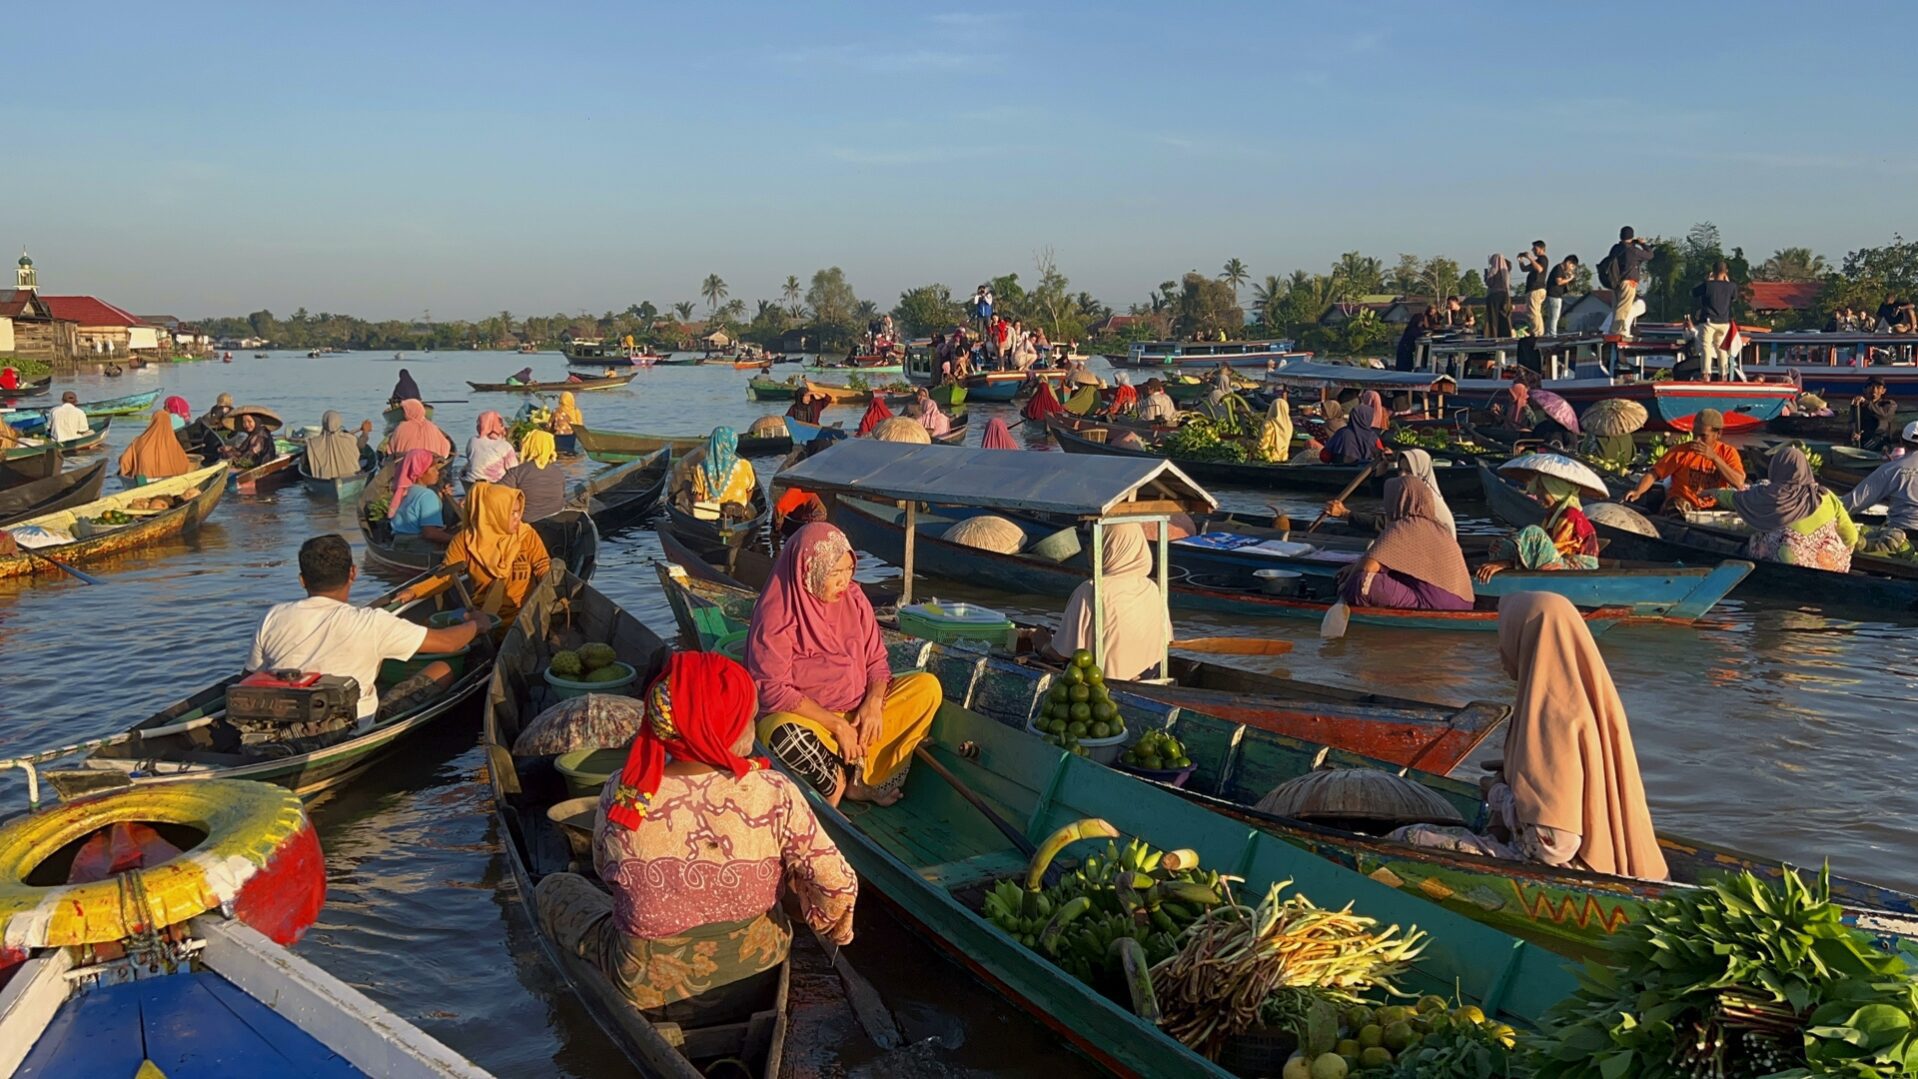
[
  {"x": 460, "y": 401},
  {"x": 867, "y": 1005},
  {"x": 74, "y": 573},
  {"x": 1235, "y": 646},
  {"x": 1005, "y": 827},
  {"x": 1364, "y": 474}
]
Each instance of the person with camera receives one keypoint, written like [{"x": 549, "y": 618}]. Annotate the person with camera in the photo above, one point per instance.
[
  {"x": 1621, "y": 271},
  {"x": 1537, "y": 267}
]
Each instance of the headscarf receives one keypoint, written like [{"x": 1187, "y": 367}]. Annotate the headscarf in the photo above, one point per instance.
[
  {"x": 1497, "y": 264},
  {"x": 1791, "y": 495},
  {"x": 405, "y": 389},
  {"x": 1334, "y": 414},
  {"x": 1124, "y": 396},
  {"x": 1568, "y": 751},
  {"x": 998, "y": 436},
  {"x": 257, "y": 445},
  {"x": 490, "y": 425},
  {"x": 524, "y": 374},
  {"x": 9, "y": 378},
  {"x": 1134, "y": 626},
  {"x": 1043, "y": 405},
  {"x": 177, "y": 406},
  {"x": 567, "y": 409},
  {"x": 800, "y": 646},
  {"x": 695, "y": 711},
  {"x": 1275, "y": 435},
  {"x": 1357, "y": 442},
  {"x": 538, "y": 447},
  {"x": 489, "y": 453},
  {"x": 1414, "y": 543},
  {"x": 494, "y": 516},
  {"x": 416, "y": 432},
  {"x": 934, "y": 421},
  {"x": 876, "y": 414},
  {"x": 413, "y": 465},
  {"x": 332, "y": 453},
  {"x": 1418, "y": 464},
  {"x": 155, "y": 454},
  {"x": 722, "y": 453}
]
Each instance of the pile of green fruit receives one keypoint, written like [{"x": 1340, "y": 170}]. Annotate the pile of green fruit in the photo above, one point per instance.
[
  {"x": 109, "y": 518},
  {"x": 376, "y": 510},
  {"x": 1201, "y": 439},
  {"x": 1119, "y": 910},
  {"x": 1156, "y": 751},
  {"x": 1426, "y": 1039},
  {"x": 1079, "y": 707},
  {"x": 1434, "y": 438},
  {"x": 594, "y": 662}
]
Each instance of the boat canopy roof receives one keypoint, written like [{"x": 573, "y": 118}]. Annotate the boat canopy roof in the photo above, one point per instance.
[
  {"x": 1082, "y": 486},
  {"x": 1307, "y": 373}
]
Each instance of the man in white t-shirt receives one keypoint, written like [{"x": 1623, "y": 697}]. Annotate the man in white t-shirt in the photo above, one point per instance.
[
  {"x": 324, "y": 633},
  {"x": 67, "y": 420}
]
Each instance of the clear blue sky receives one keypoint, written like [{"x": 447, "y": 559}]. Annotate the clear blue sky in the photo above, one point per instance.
[{"x": 384, "y": 159}]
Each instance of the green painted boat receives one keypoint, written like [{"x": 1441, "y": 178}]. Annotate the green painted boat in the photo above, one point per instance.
[
  {"x": 91, "y": 440},
  {"x": 1237, "y": 764},
  {"x": 932, "y": 855},
  {"x": 761, "y": 388},
  {"x": 619, "y": 447}
]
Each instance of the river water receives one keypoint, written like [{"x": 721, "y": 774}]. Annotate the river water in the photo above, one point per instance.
[{"x": 1772, "y": 728}]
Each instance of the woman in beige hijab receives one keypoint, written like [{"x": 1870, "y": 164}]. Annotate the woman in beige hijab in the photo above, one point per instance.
[{"x": 1133, "y": 624}]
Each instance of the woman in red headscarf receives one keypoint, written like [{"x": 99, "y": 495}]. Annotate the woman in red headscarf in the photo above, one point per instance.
[
  {"x": 697, "y": 841},
  {"x": 833, "y": 711},
  {"x": 876, "y": 414}
]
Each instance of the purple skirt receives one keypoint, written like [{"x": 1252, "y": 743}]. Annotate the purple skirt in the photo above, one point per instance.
[{"x": 1390, "y": 588}]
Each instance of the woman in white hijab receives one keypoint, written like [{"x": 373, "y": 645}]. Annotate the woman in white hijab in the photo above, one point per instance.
[
  {"x": 1418, "y": 464},
  {"x": 1134, "y": 626}
]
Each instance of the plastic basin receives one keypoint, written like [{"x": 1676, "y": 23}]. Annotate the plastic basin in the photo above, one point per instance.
[
  {"x": 564, "y": 688},
  {"x": 586, "y": 770}
]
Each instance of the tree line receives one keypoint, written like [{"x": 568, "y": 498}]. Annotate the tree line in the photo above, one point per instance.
[{"x": 825, "y": 314}]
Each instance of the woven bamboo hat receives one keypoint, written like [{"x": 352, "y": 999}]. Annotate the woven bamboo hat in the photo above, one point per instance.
[
  {"x": 1614, "y": 416},
  {"x": 1558, "y": 467}
]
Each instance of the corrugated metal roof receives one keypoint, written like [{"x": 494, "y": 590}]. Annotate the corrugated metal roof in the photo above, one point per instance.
[{"x": 1085, "y": 486}]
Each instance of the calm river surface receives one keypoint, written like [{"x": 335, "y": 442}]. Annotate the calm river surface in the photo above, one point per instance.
[{"x": 1772, "y": 729}]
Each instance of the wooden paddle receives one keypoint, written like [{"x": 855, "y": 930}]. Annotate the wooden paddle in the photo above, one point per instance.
[
  {"x": 1364, "y": 474},
  {"x": 1005, "y": 827},
  {"x": 867, "y": 1005},
  {"x": 1235, "y": 646},
  {"x": 70, "y": 571}
]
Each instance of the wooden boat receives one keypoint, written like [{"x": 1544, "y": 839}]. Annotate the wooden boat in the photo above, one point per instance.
[
  {"x": 769, "y": 389},
  {"x": 583, "y": 385},
  {"x": 35, "y": 498},
  {"x": 112, "y": 406},
  {"x": 753, "y": 365},
  {"x": 1846, "y": 467},
  {"x": 394, "y": 415},
  {"x": 876, "y": 528},
  {"x": 618, "y": 447},
  {"x": 571, "y": 537},
  {"x": 870, "y": 365},
  {"x": 803, "y": 432},
  {"x": 27, "y": 389},
  {"x": 1873, "y": 581},
  {"x": 718, "y": 533},
  {"x": 30, "y": 457},
  {"x": 201, "y": 489},
  {"x": 525, "y": 788},
  {"x": 1456, "y": 480},
  {"x": 281, "y": 469},
  {"x": 1008, "y": 385},
  {"x": 623, "y": 494},
  {"x": 190, "y": 740},
  {"x": 345, "y": 488},
  {"x": 708, "y": 604}
]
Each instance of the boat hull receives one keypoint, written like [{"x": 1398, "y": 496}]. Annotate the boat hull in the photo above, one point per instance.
[
  {"x": 142, "y": 534},
  {"x": 585, "y": 385},
  {"x": 624, "y": 495},
  {"x": 25, "y": 501}
]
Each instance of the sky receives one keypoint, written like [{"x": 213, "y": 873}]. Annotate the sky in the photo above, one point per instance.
[{"x": 394, "y": 159}]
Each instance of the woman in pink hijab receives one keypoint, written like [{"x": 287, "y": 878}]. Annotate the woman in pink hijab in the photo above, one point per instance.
[
  {"x": 998, "y": 436},
  {"x": 489, "y": 453},
  {"x": 935, "y": 422},
  {"x": 830, "y": 706},
  {"x": 416, "y": 432}
]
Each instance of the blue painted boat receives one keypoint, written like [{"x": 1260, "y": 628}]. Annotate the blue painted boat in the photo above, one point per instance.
[
  {"x": 803, "y": 432},
  {"x": 1006, "y": 385},
  {"x": 876, "y": 528}
]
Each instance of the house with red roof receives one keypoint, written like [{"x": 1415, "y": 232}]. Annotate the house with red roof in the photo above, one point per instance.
[
  {"x": 1772, "y": 297},
  {"x": 105, "y": 331}
]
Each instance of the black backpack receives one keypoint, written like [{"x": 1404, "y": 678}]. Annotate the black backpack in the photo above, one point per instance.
[{"x": 1608, "y": 271}]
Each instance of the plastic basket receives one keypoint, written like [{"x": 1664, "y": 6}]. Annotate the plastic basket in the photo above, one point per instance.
[{"x": 564, "y": 688}]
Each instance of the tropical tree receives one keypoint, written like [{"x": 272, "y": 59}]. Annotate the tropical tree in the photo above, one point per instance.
[
  {"x": 1235, "y": 274},
  {"x": 1407, "y": 276},
  {"x": 834, "y": 306},
  {"x": 684, "y": 309},
  {"x": 1438, "y": 278},
  {"x": 1206, "y": 306},
  {"x": 732, "y": 310},
  {"x": 714, "y": 289},
  {"x": 926, "y": 310},
  {"x": 1267, "y": 298},
  {"x": 792, "y": 290},
  {"x": 1792, "y": 264},
  {"x": 1361, "y": 275}
]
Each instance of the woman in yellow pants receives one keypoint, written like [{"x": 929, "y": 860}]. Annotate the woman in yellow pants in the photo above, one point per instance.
[{"x": 830, "y": 707}]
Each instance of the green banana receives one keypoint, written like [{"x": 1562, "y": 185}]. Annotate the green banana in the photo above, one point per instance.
[
  {"x": 1089, "y": 828},
  {"x": 1064, "y": 916}
]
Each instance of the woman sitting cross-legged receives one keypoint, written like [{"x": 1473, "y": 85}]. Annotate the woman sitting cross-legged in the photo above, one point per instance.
[
  {"x": 696, "y": 842},
  {"x": 1415, "y": 563},
  {"x": 833, "y": 712}
]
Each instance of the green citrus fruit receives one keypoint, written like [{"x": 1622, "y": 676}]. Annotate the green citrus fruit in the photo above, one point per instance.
[
  {"x": 1080, "y": 694},
  {"x": 1082, "y": 658}
]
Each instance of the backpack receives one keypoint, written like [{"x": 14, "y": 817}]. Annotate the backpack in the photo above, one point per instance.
[{"x": 1608, "y": 271}]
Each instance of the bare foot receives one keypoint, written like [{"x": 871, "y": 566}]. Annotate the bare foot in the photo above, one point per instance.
[{"x": 859, "y": 792}]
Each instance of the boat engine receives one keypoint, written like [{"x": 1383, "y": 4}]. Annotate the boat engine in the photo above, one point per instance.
[{"x": 281, "y": 713}]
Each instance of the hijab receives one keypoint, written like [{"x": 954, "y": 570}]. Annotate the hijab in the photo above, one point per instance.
[
  {"x": 1275, "y": 437},
  {"x": 1357, "y": 441},
  {"x": 177, "y": 406},
  {"x": 1568, "y": 751},
  {"x": 998, "y": 436},
  {"x": 568, "y": 409},
  {"x": 1372, "y": 398},
  {"x": 416, "y": 432},
  {"x": 405, "y": 389},
  {"x": 1124, "y": 396},
  {"x": 876, "y": 414},
  {"x": 494, "y": 517},
  {"x": 1043, "y": 405},
  {"x": 489, "y": 453},
  {"x": 696, "y": 710},
  {"x": 332, "y": 453},
  {"x": 155, "y": 453},
  {"x": 1134, "y": 626},
  {"x": 801, "y": 646},
  {"x": 524, "y": 374},
  {"x": 490, "y": 425},
  {"x": 1418, "y": 464},
  {"x": 413, "y": 465},
  {"x": 1791, "y": 495},
  {"x": 1414, "y": 543},
  {"x": 539, "y": 448},
  {"x": 722, "y": 453},
  {"x": 1334, "y": 414},
  {"x": 934, "y": 421}
]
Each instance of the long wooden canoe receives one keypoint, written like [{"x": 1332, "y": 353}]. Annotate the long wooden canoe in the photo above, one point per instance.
[
  {"x": 343, "y": 488},
  {"x": 525, "y": 788},
  {"x": 1846, "y": 467},
  {"x": 618, "y": 447},
  {"x": 24, "y": 458},
  {"x": 769, "y": 389},
  {"x": 1394, "y": 729},
  {"x": 111, "y": 406},
  {"x": 876, "y": 529},
  {"x": 570, "y": 536},
  {"x": 28, "y": 463},
  {"x": 583, "y": 385},
  {"x": 625, "y": 494},
  {"x": 394, "y": 414},
  {"x": 171, "y": 746},
  {"x": 1458, "y": 482},
  {"x": 1873, "y": 581},
  {"x": 26, "y": 390},
  {"x": 201, "y": 489},
  {"x": 803, "y": 432},
  {"x": 36, "y": 498},
  {"x": 727, "y": 533},
  {"x": 280, "y": 469}
]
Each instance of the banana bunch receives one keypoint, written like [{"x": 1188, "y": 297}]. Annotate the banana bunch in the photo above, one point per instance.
[{"x": 1004, "y": 907}]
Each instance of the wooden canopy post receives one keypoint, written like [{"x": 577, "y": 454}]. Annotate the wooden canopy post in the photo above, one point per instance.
[
  {"x": 1098, "y": 592},
  {"x": 912, "y": 535}
]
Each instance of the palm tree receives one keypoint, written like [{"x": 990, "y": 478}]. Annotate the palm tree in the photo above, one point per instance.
[
  {"x": 733, "y": 310},
  {"x": 1267, "y": 297},
  {"x": 1362, "y": 274},
  {"x": 1793, "y": 264},
  {"x": 714, "y": 289},
  {"x": 684, "y": 309},
  {"x": 1234, "y": 274},
  {"x": 866, "y": 311},
  {"x": 792, "y": 290}
]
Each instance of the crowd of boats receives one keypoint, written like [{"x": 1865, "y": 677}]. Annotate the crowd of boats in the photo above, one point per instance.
[{"x": 170, "y": 851}]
